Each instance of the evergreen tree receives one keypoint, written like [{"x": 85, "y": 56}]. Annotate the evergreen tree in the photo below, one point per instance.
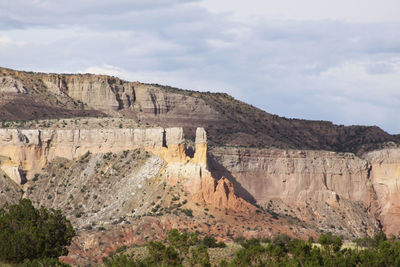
[{"x": 30, "y": 233}]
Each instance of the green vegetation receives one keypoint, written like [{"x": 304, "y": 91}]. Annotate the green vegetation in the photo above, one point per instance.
[
  {"x": 33, "y": 236},
  {"x": 37, "y": 237},
  {"x": 211, "y": 242},
  {"x": 183, "y": 249}
]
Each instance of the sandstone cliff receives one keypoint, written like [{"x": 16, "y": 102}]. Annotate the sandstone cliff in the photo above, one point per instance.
[
  {"x": 125, "y": 198},
  {"x": 385, "y": 177},
  {"x": 283, "y": 165},
  {"x": 26, "y": 95},
  {"x": 31, "y": 150},
  {"x": 26, "y": 152},
  {"x": 358, "y": 193},
  {"x": 295, "y": 175},
  {"x": 292, "y": 178}
]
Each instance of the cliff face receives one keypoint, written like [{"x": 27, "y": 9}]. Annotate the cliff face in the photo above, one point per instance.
[
  {"x": 284, "y": 165},
  {"x": 289, "y": 178},
  {"x": 26, "y": 152},
  {"x": 298, "y": 178},
  {"x": 98, "y": 92},
  {"x": 134, "y": 100},
  {"x": 228, "y": 121},
  {"x": 30, "y": 150},
  {"x": 385, "y": 177}
]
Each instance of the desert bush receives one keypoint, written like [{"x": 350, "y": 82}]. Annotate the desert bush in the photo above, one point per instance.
[
  {"x": 30, "y": 233},
  {"x": 211, "y": 242}
]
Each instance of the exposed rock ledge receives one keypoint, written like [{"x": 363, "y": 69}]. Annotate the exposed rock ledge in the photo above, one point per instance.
[
  {"x": 28, "y": 151},
  {"x": 296, "y": 177}
]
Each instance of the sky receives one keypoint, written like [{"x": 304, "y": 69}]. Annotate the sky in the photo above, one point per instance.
[{"x": 311, "y": 59}]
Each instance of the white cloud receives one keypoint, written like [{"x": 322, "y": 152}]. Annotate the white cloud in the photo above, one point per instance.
[
  {"x": 107, "y": 70},
  {"x": 6, "y": 41},
  {"x": 307, "y": 10},
  {"x": 218, "y": 44}
]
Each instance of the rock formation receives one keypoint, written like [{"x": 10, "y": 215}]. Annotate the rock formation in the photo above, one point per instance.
[
  {"x": 221, "y": 194},
  {"x": 31, "y": 150},
  {"x": 278, "y": 163},
  {"x": 200, "y": 156},
  {"x": 99, "y": 92},
  {"x": 294, "y": 177},
  {"x": 385, "y": 179},
  {"x": 26, "y": 152},
  {"x": 10, "y": 85},
  {"x": 27, "y": 95},
  {"x": 297, "y": 177}
]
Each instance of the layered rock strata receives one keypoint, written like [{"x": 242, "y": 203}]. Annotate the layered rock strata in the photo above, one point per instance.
[
  {"x": 296, "y": 176},
  {"x": 300, "y": 177},
  {"x": 132, "y": 99},
  {"x": 29, "y": 96},
  {"x": 10, "y": 85},
  {"x": 30, "y": 150},
  {"x": 292, "y": 176},
  {"x": 385, "y": 177},
  {"x": 99, "y": 92},
  {"x": 26, "y": 152}
]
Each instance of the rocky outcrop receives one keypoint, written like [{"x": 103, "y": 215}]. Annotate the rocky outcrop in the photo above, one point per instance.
[
  {"x": 175, "y": 145},
  {"x": 10, "y": 85},
  {"x": 29, "y": 151},
  {"x": 221, "y": 194},
  {"x": 131, "y": 99},
  {"x": 28, "y": 95},
  {"x": 26, "y": 152},
  {"x": 97, "y": 91},
  {"x": 298, "y": 178},
  {"x": 200, "y": 155},
  {"x": 385, "y": 178}
]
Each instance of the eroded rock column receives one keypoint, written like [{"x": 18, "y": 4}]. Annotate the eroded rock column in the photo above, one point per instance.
[{"x": 200, "y": 153}]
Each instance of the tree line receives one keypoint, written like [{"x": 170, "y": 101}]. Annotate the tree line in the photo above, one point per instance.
[
  {"x": 37, "y": 237},
  {"x": 183, "y": 249}
]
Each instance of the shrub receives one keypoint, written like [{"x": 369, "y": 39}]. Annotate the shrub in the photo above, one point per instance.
[
  {"x": 30, "y": 233},
  {"x": 281, "y": 240},
  {"x": 211, "y": 242},
  {"x": 44, "y": 262},
  {"x": 188, "y": 212}
]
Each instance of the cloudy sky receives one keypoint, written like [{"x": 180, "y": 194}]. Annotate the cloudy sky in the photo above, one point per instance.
[{"x": 314, "y": 59}]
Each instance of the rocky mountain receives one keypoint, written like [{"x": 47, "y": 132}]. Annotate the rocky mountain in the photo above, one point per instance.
[
  {"x": 229, "y": 122},
  {"x": 128, "y": 161}
]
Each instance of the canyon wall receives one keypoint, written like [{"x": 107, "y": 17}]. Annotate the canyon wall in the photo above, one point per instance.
[
  {"x": 26, "y": 152},
  {"x": 97, "y": 91},
  {"x": 385, "y": 177},
  {"x": 229, "y": 122},
  {"x": 259, "y": 175},
  {"x": 131, "y": 99},
  {"x": 298, "y": 177}
]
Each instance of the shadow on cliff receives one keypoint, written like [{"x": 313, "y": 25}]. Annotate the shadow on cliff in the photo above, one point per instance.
[{"x": 218, "y": 171}]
